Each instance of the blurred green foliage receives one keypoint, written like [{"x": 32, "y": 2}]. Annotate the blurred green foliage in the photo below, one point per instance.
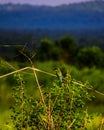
[
  {"x": 91, "y": 56},
  {"x": 66, "y": 49}
]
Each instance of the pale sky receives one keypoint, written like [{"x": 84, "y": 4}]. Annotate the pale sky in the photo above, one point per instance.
[{"x": 43, "y": 2}]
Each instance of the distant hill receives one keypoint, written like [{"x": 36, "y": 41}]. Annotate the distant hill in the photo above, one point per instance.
[{"x": 89, "y": 15}]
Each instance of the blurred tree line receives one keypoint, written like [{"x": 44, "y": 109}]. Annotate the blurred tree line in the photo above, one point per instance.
[{"x": 66, "y": 49}]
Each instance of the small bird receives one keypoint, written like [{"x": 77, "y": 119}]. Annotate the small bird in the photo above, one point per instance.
[{"x": 59, "y": 75}]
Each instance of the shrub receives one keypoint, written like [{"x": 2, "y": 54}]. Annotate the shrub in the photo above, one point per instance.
[{"x": 57, "y": 107}]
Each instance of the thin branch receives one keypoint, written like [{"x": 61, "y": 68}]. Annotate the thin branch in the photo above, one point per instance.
[
  {"x": 55, "y": 101},
  {"x": 37, "y": 81},
  {"x": 29, "y": 59},
  {"x": 71, "y": 103},
  {"x": 85, "y": 119},
  {"x": 22, "y": 49},
  {"x": 11, "y": 66},
  {"x": 39, "y": 87},
  {"x": 13, "y": 72},
  {"x": 91, "y": 89},
  {"x": 101, "y": 123},
  {"x": 44, "y": 72},
  {"x": 36, "y": 77},
  {"x": 71, "y": 124}
]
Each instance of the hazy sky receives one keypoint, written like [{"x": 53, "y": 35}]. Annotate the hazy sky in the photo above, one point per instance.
[{"x": 42, "y": 2}]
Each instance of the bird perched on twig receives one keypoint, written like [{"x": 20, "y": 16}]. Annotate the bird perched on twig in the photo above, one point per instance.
[{"x": 59, "y": 75}]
